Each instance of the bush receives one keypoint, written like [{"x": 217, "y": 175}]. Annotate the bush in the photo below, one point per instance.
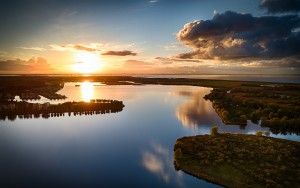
[
  {"x": 267, "y": 133},
  {"x": 259, "y": 133},
  {"x": 225, "y": 114},
  {"x": 214, "y": 131}
]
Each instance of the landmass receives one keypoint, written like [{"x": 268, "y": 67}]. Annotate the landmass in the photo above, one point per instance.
[
  {"x": 236, "y": 160},
  {"x": 273, "y": 105},
  {"x": 23, "y": 109},
  {"x": 276, "y": 106}
]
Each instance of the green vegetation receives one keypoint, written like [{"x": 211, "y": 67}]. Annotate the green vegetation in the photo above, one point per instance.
[
  {"x": 259, "y": 133},
  {"x": 214, "y": 131},
  {"x": 278, "y": 107},
  {"x": 236, "y": 160}
]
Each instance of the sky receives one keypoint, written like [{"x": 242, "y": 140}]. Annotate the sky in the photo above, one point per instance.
[{"x": 150, "y": 37}]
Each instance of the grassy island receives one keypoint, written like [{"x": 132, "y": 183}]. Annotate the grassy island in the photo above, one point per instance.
[{"x": 235, "y": 160}]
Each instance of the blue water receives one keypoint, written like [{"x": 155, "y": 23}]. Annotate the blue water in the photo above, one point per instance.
[{"x": 132, "y": 148}]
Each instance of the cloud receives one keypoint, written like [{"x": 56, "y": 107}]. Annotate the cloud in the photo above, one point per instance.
[
  {"x": 120, "y": 53},
  {"x": 33, "y": 48},
  {"x": 153, "y": 1},
  {"x": 33, "y": 65},
  {"x": 232, "y": 35},
  {"x": 280, "y": 6},
  {"x": 74, "y": 47},
  {"x": 106, "y": 48},
  {"x": 84, "y": 48},
  {"x": 170, "y": 60}
]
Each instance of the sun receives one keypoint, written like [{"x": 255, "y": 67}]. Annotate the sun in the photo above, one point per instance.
[{"x": 87, "y": 62}]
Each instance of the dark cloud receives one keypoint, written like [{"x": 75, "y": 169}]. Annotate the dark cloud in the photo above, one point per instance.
[
  {"x": 281, "y": 6},
  {"x": 233, "y": 35},
  {"x": 285, "y": 62},
  {"x": 33, "y": 65},
  {"x": 120, "y": 53}
]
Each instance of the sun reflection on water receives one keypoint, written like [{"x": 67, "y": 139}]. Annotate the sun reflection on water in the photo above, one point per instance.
[{"x": 87, "y": 91}]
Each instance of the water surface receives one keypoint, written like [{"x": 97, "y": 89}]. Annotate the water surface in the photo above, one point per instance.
[{"x": 132, "y": 148}]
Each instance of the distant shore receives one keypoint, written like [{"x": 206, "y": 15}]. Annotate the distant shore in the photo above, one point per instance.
[{"x": 277, "y": 78}]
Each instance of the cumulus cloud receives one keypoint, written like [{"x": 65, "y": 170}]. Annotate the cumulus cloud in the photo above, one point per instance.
[
  {"x": 232, "y": 35},
  {"x": 120, "y": 53},
  {"x": 280, "y": 6},
  {"x": 33, "y": 65}
]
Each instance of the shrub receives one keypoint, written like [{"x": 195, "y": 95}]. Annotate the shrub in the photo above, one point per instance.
[
  {"x": 259, "y": 133},
  {"x": 267, "y": 133},
  {"x": 214, "y": 131},
  {"x": 225, "y": 114}
]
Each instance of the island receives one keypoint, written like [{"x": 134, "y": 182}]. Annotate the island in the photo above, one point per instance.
[
  {"x": 236, "y": 160},
  {"x": 23, "y": 109}
]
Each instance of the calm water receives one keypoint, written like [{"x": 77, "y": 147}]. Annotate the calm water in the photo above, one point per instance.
[{"x": 133, "y": 148}]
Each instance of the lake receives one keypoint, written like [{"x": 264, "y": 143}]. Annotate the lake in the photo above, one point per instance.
[{"x": 132, "y": 148}]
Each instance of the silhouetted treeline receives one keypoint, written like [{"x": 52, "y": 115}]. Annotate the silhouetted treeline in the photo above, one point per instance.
[
  {"x": 12, "y": 110},
  {"x": 29, "y": 88}
]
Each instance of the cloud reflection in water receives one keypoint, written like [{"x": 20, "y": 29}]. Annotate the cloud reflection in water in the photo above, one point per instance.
[
  {"x": 159, "y": 160},
  {"x": 196, "y": 111}
]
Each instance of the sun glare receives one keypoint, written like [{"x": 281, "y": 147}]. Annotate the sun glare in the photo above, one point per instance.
[
  {"x": 87, "y": 62},
  {"x": 87, "y": 91}
]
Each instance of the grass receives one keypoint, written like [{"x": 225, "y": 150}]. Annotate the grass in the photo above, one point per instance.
[{"x": 235, "y": 160}]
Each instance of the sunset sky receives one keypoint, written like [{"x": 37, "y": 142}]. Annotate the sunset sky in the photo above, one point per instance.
[{"x": 150, "y": 37}]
